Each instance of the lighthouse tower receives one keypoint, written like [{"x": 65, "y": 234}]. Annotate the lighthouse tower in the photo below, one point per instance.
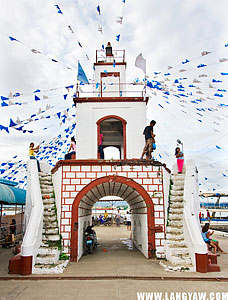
[{"x": 112, "y": 108}]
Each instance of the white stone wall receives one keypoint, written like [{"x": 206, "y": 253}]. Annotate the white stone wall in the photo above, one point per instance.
[
  {"x": 140, "y": 232},
  {"x": 89, "y": 113}
]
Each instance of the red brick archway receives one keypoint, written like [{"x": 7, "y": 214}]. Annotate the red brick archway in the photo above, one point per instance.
[{"x": 118, "y": 179}]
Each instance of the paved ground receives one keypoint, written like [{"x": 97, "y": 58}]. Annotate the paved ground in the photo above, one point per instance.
[{"x": 119, "y": 260}]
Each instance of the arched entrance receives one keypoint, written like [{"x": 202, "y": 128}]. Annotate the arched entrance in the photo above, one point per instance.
[
  {"x": 143, "y": 225},
  {"x": 113, "y": 129}
]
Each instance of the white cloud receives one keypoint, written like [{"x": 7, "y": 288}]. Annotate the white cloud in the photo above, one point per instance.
[{"x": 166, "y": 32}]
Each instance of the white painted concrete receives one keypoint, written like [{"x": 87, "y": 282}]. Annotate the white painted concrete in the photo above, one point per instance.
[
  {"x": 140, "y": 232},
  {"x": 89, "y": 113},
  {"x": 34, "y": 213},
  {"x": 192, "y": 230},
  {"x": 82, "y": 224},
  {"x": 57, "y": 183},
  {"x": 166, "y": 188}
]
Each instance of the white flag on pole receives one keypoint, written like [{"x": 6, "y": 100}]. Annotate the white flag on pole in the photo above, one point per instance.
[{"x": 140, "y": 63}]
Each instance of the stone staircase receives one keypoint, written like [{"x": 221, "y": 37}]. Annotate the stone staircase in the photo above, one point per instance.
[
  {"x": 47, "y": 260},
  {"x": 176, "y": 248}
]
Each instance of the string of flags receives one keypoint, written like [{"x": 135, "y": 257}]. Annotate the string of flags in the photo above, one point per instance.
[
  {"x": 70, "y": 28},
  {"x": 50, "y": 152},
  {"x": 39, "y": 52}
]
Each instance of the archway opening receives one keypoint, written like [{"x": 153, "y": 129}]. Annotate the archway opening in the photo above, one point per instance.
[
  {"x": 113, "y": 129},
  {"x": 140, "y": 204},
  {"x": 112, "y": 153}
]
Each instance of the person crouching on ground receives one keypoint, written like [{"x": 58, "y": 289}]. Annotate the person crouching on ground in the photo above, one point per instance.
[
  {"x": 32, "y": 151},
  {"x": 149, "y": 137},
  {"x": 180, "y": 159},
  {"x": 72, "y": 147}
]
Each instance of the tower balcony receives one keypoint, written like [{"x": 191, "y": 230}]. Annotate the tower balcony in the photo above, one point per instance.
[
  {"x": 110, "y": 92},
  {"x": 104, "y": 57}
]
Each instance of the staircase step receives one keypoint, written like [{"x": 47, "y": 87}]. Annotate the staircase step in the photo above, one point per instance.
[
  {"x": 176, "y": 210},
  {"x": 51, "y": 231},
  {"x": 176, "y": 193},
  {"x": 48, "y": 250},
  {"x": 44, "y": 174},
  {"x": 49, "y": 206},
  {"x": 177, "y": 187},
  {"x": 176, "y": 198},
  {"x": 179, "y": 251},
  {"x": 177, "y": 217},
  {"x": 47, "y": 258},
  {"x": 47, "y": 190},
  {"x": 50, "y": 237},
  {"x": 176, "y": 224},
  {"x": 47, "y": 219},
  {"x": 45, "y": 183},
  {"x": 176, "y": 244},
  {"x": 176, "y": 205},
  {"x": 174, "y": 237},
  {"x": 49, "y": 213},
  {"x": 49, "y": 225},
  {"x": 46, "y": 195},
  {"x": 182, "y": 261},
  {"x": 48, "y": 200},
  {"x": 174, "y": 230},
  {"x": 57, "y": 268},
  {"x": 178, "y": 177}
]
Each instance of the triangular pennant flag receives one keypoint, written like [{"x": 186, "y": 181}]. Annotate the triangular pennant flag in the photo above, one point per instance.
[
  {"x": 4, "y": 104},
  {"x": 140, "y": 63},
  {"x": 35, "y": 51},
  {"x": 12, "y": 123},
  {"x": 81, "y": 74},
  {"x": 37, "y": 98},
  {"x": 205, "y": 53},
  {"x": 18, "y": 121}
]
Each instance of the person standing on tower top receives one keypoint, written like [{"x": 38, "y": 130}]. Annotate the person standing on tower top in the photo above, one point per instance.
[{"x": 150, "y": 139}]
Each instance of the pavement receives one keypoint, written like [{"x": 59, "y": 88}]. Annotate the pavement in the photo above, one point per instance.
[{"x": 115, "y": 271}]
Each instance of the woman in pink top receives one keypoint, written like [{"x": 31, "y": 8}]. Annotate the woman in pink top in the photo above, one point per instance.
[{"x": 73, "y": 147}]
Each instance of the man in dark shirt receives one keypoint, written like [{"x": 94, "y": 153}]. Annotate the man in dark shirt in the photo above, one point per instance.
[{"x": 149, "y": 137}]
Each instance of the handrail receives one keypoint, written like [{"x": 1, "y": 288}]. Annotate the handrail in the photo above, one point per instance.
[
  {"x": 192, "y": 230},
  {"x": 33, "y": 234}
]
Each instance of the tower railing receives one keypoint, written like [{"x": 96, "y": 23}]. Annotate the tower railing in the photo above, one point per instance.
[
  {"x": 110, "y": 90},
  {"x": 117, "y": 55}
]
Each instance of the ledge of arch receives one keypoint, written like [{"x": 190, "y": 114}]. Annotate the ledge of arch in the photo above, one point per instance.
[{"x": 95, "y": 162}]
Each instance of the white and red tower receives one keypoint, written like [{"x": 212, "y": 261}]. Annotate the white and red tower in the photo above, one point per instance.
[
  {"x": 119, "y": 114},
  {"x": 112, "y": 108}
]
